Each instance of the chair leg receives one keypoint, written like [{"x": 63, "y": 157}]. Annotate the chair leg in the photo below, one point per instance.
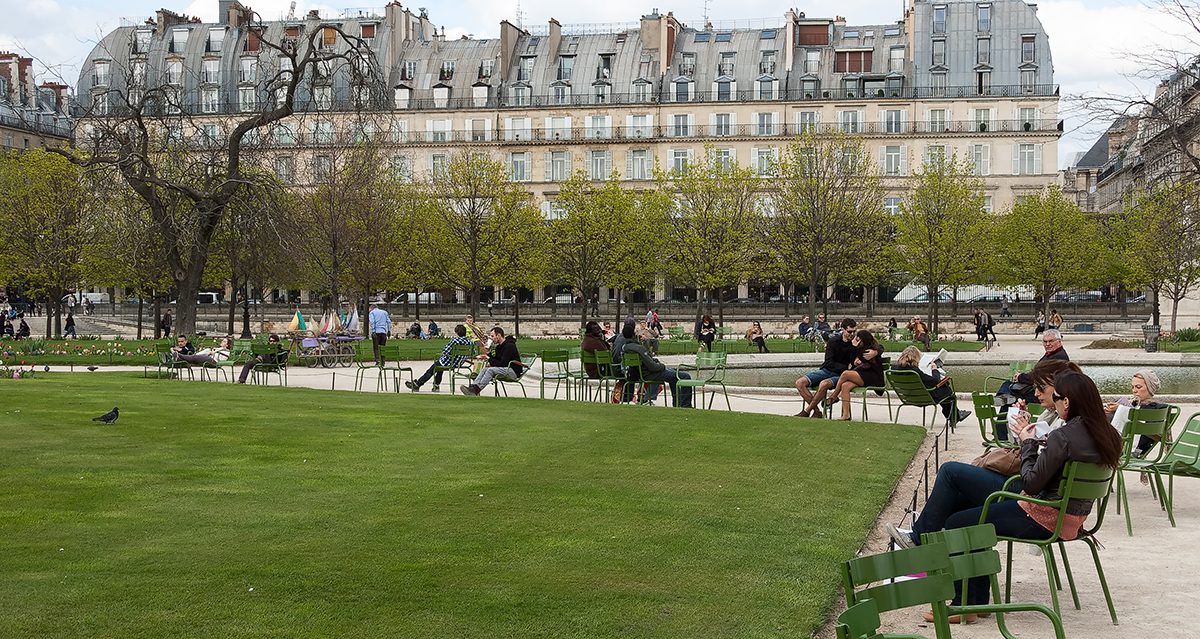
[
  {"x": 1112, "y": 611},
  {"x": 1008, "y": 574},
  {"x": 1051, "y": 576},
  {"x": 1123, "y": 495},
  {"x": 1166, "y": 503},
  {"x": 1062, "y": 550}
]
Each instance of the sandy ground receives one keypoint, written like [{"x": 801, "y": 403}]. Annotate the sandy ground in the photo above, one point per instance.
[{"x": 1148, "y": 574}]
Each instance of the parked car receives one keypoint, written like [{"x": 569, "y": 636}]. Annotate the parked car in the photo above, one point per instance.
[
  {"x": 923, "y": 298},
  {"x": 424, "y": 298},
  {"x": 561, "y": 298},
  {"x": 1090, "y": 296},
  {"x": 1140, "y": 299},
  {"x": 987, "y": 298},
  {"x": 745, "y": 300}
]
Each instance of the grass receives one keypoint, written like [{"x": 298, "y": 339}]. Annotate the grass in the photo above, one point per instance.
[{"x": 214, "y": 510}]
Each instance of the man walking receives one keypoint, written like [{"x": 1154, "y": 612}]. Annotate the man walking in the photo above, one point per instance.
[
  {"x": 445, "y": 361},
  {"x": 506, "y": 361},
  {"x": 381, "y": 327}
]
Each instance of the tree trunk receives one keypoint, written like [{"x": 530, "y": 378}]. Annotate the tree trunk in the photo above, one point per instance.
[
  {"x": 517, "y": 319},
  {"x": 141, "y": 306},
  {"x": 232, "y": 304},
  {"x": 1121, "y": 299},
  {"x": 1174, "y": 312},
  {"x": 618, "y": 321},
  {"x": 812, "y": 297},
  {"x": 720, "y": 307},
  {"x": 931, "y": 297},
  {"x": 157, "y": 315}
]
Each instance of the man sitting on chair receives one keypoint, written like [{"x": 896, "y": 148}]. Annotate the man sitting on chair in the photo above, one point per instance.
[
  {"x": 445, "y": 361},
  {"x": 505, "y": 361}
]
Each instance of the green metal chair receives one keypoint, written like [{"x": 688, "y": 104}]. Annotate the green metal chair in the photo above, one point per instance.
[
  {"x": 364, "y": 356},
  {"x": 861, "y": 621},
  {"x": 878, "y": 390},
  {"x": 610, "y": 375},
  {"x": 875, "y": 577},
  {"x": 991, "y": 422},
  {"x": 973, "y": 554},
  {"x": 462, "y": 353},
  {"x": 633, "y": 362},
  {"x": 1081, "y": 481},
  {"x": 911, "y": 391},
  {"x": 168, "y": 363},
  {"x": 278, "y": 367},
  {"x": 556, "y": 366},
  {"x": 578, "y": 374},
  {"x": 1181, "y": 459},
  {"x": 1013, "y": 369},
  {"x": 1151, "y": 422},
  {"x": 709, "y": 369},
  {"x": 500, "y": 381},
  {"x": 391, "y": 364}
]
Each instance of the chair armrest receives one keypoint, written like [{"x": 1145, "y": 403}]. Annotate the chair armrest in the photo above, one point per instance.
[
  {"x": 1004, "y": 494},
  {"x": 1012, "y": 607}
]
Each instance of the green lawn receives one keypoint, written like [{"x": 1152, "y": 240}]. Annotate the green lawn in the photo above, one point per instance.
[{"x": 214, "y": 510}]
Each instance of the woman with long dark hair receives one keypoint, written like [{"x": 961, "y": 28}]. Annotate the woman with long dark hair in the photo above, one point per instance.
[
  {"x": 1086, "y": 436},
  {"x": 867, "y": 370},
  {"x": 706, "y": 332}
]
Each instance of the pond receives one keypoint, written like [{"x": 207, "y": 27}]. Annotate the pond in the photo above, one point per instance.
[{"x": 1111, "y": 380}]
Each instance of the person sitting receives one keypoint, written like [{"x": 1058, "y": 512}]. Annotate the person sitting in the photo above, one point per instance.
[
  {"x": 505, "y": 361},
  {"x": 1085, "y": 437},
  {"x": 654, "y": 370},
  {"x": 803, "y": 329},
  {"x": 433, "y": 330},
  {"x": 609, "y": 333},
  {"x": 208, "y": 355},
  {"x": 706, "y": 332},
  {"x": 446, "y": 360},
  {"x": 840, "y": 353},
  {"x": 414, "y": 331},
  {"x": 8, "y": 328},
  {"x": 757, "y": 337},
  {"x": 181, "y": 348},
  {"x": 920, "y": 331},
  {"x": 822, "y": 326},
  {"x": 1143, "y": 386},
  {"x": 23, "y": 330},
  {"x": 910, "y": 360},
  {"x": 265, "y": 358},
  {"x": 647, "y": 336},
  {"x": 1018, "y": 387},
  {"x": 867, "y": 370},
  {"x": 593, "y": 340}
]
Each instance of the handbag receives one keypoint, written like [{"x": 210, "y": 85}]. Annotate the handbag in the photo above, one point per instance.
[{"x": 1006, "y": 461}]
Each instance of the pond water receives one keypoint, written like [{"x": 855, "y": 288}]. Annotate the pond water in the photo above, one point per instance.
[{"x": 1111, "y": 380}]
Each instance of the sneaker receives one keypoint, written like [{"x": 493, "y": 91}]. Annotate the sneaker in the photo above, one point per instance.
[
  {"x": 468, "y": 390},
  {"x": 436, "y": 388},
  {"x": 411, "y": 386},
  {"x": 902, "y": 538},
  {"x": 963, "y": 415}
]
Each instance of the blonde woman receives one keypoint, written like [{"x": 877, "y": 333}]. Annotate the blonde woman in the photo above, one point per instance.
[{"x": 910, "y": 360}]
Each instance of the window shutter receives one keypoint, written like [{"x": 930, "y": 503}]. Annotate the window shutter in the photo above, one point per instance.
[
  {"x": 883, "y": 160},
  {"x": 1037, "y": 159},
  {"x": 1016, "y": 157},
  {"x": 469, "y": 122},
  {"x": 608, "y": 164},
  {"x": 1016, "y": 119},
  {"x": 903, "y": 160},
  {"x": 986, "y": 169},
  {"x": 903, "y": 119},
  {"x": 628, "y": 126},
  {"x": 429, "y": 164},
  {"x": 862, "y": 118},
  {"x": 549, "y": 166},
  {"x": 691, "y": 157},
  {"x": 927, "y": 125},
  {"x": 712, "y": 123},
  {"x": 568, "y": 169},
  {"x": 629, "y": 165},
  {"x": 733, "y": 156},
  {"x": 508, "y": 128}
]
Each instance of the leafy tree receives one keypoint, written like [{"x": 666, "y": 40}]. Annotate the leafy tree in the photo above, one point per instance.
[
  {"x": 249, "y": 245},
  {"x": 1045, "y": 241},
  {"x": 825, "y": 219},
  {"x": 712, "y": 231},
  {"x": 941, "y": 228},
  {"x": 45, "y": 224},
  {"x": 1165, "y": 242}
]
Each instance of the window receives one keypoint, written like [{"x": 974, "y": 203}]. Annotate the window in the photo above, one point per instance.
[
  {"x": 367, "y": 32},
  {"x": 766, "y": 89},
  {"x": 939, "y": 53},
  {"x": 601, "y": 92},
  {"x": 172, "y": 98},
  {"x": 767, "y": 34},
  {"x": 893, "y": 120},
  {"x": 1027, "y": 50},
  {"x": 725, "y": 67},
  {"x": 447, "y": 71},
  {"x": 409, "y": 70},
  {"x": 850, "y": 87},
  {"x": 1028, "y": 81},
  {"x": 520, "y": 96},
  {"x": 896, "y": 60},
  {"x": 812, "y": 34},
  {"x": 938, "y": 121},
  {"x": 894, "y": 86},
  {"x": 598, "y": 127},
  {"x": 212, "y": 72},
  {"x": 891, "y": 205},
  {"x": 323, "y": 97},
  {"x": 1027, "y": 118},
  {"x": 680, "y": 126},
  {"x": 401, "y": 166},
  {"x": 980, "y": 157},
  {"x": 216, "y": 39},
  {"x": 248, "y": 70},
  {"x": 518, "y": 129},
  {"x": 141, "y": 40},
  {"x": 937, "y": 83},
  {"x": 525, "y": 70},
  {"x": 638, "y": 164},
  {"x": 100, "y": 103},
  {"x": 437, "y": 164},
  {"x": 939, "y": 19},
  {"x": 247, "y": 99},
  {"x": 179, "y": 38},
  {"x": 399, "y": 131},
  {"x": 441, "y": 97},
  {"x": 849, "y": 121},
  {"x": 209, "y": 102},
  {"x": 724, "y": 37},
  {"x": 852, "y": 62},
  {"x": 519, "y": 169},
  {"x": 983, "y": 51},
  {"x": 285, "y": 134},
  {"x": 893, "y": 160},
  {"x": 322, "y": 169},
  {"x": 688, "y": 66},
  {"x": 566, "y": 64},
  {"x": 983, "y": 82},
  {"x": 764, "y": 162},
  {"x": 891, "y": 32},
  {"x": 987, "y": 204},
  {"x": 808, "y": 121},
  {"x": 723, "y": 158},
  {"x": 137, "y": 73},
  {"x": 400, "y": 96},
  {"x": 683, "y": 91},
  {"x": 764, "y": 124},
  {"x": 285, "y": 169},
  {"x": 486, "y": 68},
  {"x": 253, "y": 42},
  {"x": 812, "y": 60},
  {"x": 480, "y": 96},
  {"x": 210, "y": 134},
  {"x": 680, "y": 159},
  {"x": 599, "y": 165},
  {"x": 766, "y": 66},
  {"x": 983, "y": 119},
  {"x": 641, "y": 91},
  {"x": 1028, "y": 159},
  {"x": 639, "y": 126},
  {"x": 438, "y": 130},
  {"x": 724, "y": 91},
  {"x": 702, "y": 37},
  {"x": 321, "y": 132},
  {"x": 100, "y": 76},
  {"x": 562, "y": 94},
  {"x": 985, "y": 18},
  {"x": 328, "y": 38},
  {"x": 850, "y": 34},
  {"x": 560, "y": 128},
  {"x": 723, "y": 124},
  {"x": 560, "y": 166},
  {"x": 810, "y": 88}
]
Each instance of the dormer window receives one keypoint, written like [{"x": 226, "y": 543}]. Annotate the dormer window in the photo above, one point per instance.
[
  {"x": 179, "y": 38},
  {"x": 100, "y": 74},
  {"x": 566, "y": 66},
  {"x": 525, "y": 69},
  {"x": 486, "y": 68},
  {"x": 141, "y": 40},
  {"x": 216, "y": 40},
  {"x": 409, "y": 70}
]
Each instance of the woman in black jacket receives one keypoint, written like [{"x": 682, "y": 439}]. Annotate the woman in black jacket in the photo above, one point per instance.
[
  {"x": 866, "y": 371},
  {"x": 706, "y": 332}
]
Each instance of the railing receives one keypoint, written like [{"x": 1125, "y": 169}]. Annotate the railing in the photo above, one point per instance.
[
  {"x": 33, "y": 125},
  {"x": 600, "y": 28}
]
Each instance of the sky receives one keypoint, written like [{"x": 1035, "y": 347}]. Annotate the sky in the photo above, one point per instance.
[{"x": 1090, "y": 41}]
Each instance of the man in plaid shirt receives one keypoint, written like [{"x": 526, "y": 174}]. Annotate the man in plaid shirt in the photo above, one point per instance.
[{"x": 445, "y": 361}]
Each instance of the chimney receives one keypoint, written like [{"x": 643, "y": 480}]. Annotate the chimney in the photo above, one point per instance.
[
  {"x": 167, "y": 19},
  {"x": 223, "y": 7},
  {"x": 555, "y": 36}
]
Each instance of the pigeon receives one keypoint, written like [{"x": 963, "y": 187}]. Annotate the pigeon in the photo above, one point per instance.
[
  {"x": 47, "y": 369},
  {"x": 108, "y": 418},
  {"x": 93, "y": 368}
]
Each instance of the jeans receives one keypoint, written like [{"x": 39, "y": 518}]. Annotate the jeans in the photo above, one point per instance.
[
  {"x": 70, "y": 332},
  {"x": 486, "y": 375},
  {"x": 958, "y": 487},
  {"x": 437, "y": 376},
  {"x": 816, "y": 377},
  {"x": 1010, "y": 520},
  {"x": 681, "y": 397}
]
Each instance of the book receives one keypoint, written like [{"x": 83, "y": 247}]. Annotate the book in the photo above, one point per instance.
[{"x": 928, "y": 359}]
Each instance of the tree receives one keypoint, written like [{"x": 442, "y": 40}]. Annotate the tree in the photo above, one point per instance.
[
  {"x": 145, "y": 132},
  {"x": 1045, "y": 241},
  {"x": 250, "y": 244},
  {"x": 826, "y": 203},
  {"x": 46, "y": 224},
  {"x": 941, "y": 228},
  {"x": 712, "y": 233},
  {"x": 1165, "y": 242},
  {"x": 484, "y": 221}
]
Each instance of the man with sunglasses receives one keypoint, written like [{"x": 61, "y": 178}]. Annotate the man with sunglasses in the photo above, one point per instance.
[
  {"x": 840, "y": 353},
  {"x": 1020, "y": 387},
  {"x": 265, "y": 358}
]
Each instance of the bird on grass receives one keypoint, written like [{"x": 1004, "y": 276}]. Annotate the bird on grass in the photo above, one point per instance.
[
  {"x": 92, "y": 368},
  {"x": 108, "y": 418}
]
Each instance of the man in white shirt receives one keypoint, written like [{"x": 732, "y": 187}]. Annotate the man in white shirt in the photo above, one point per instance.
[{"x": 381, "y": 327}]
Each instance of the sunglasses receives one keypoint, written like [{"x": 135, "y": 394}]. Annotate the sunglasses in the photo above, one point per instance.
[{"x": 1058, "y": 397}]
